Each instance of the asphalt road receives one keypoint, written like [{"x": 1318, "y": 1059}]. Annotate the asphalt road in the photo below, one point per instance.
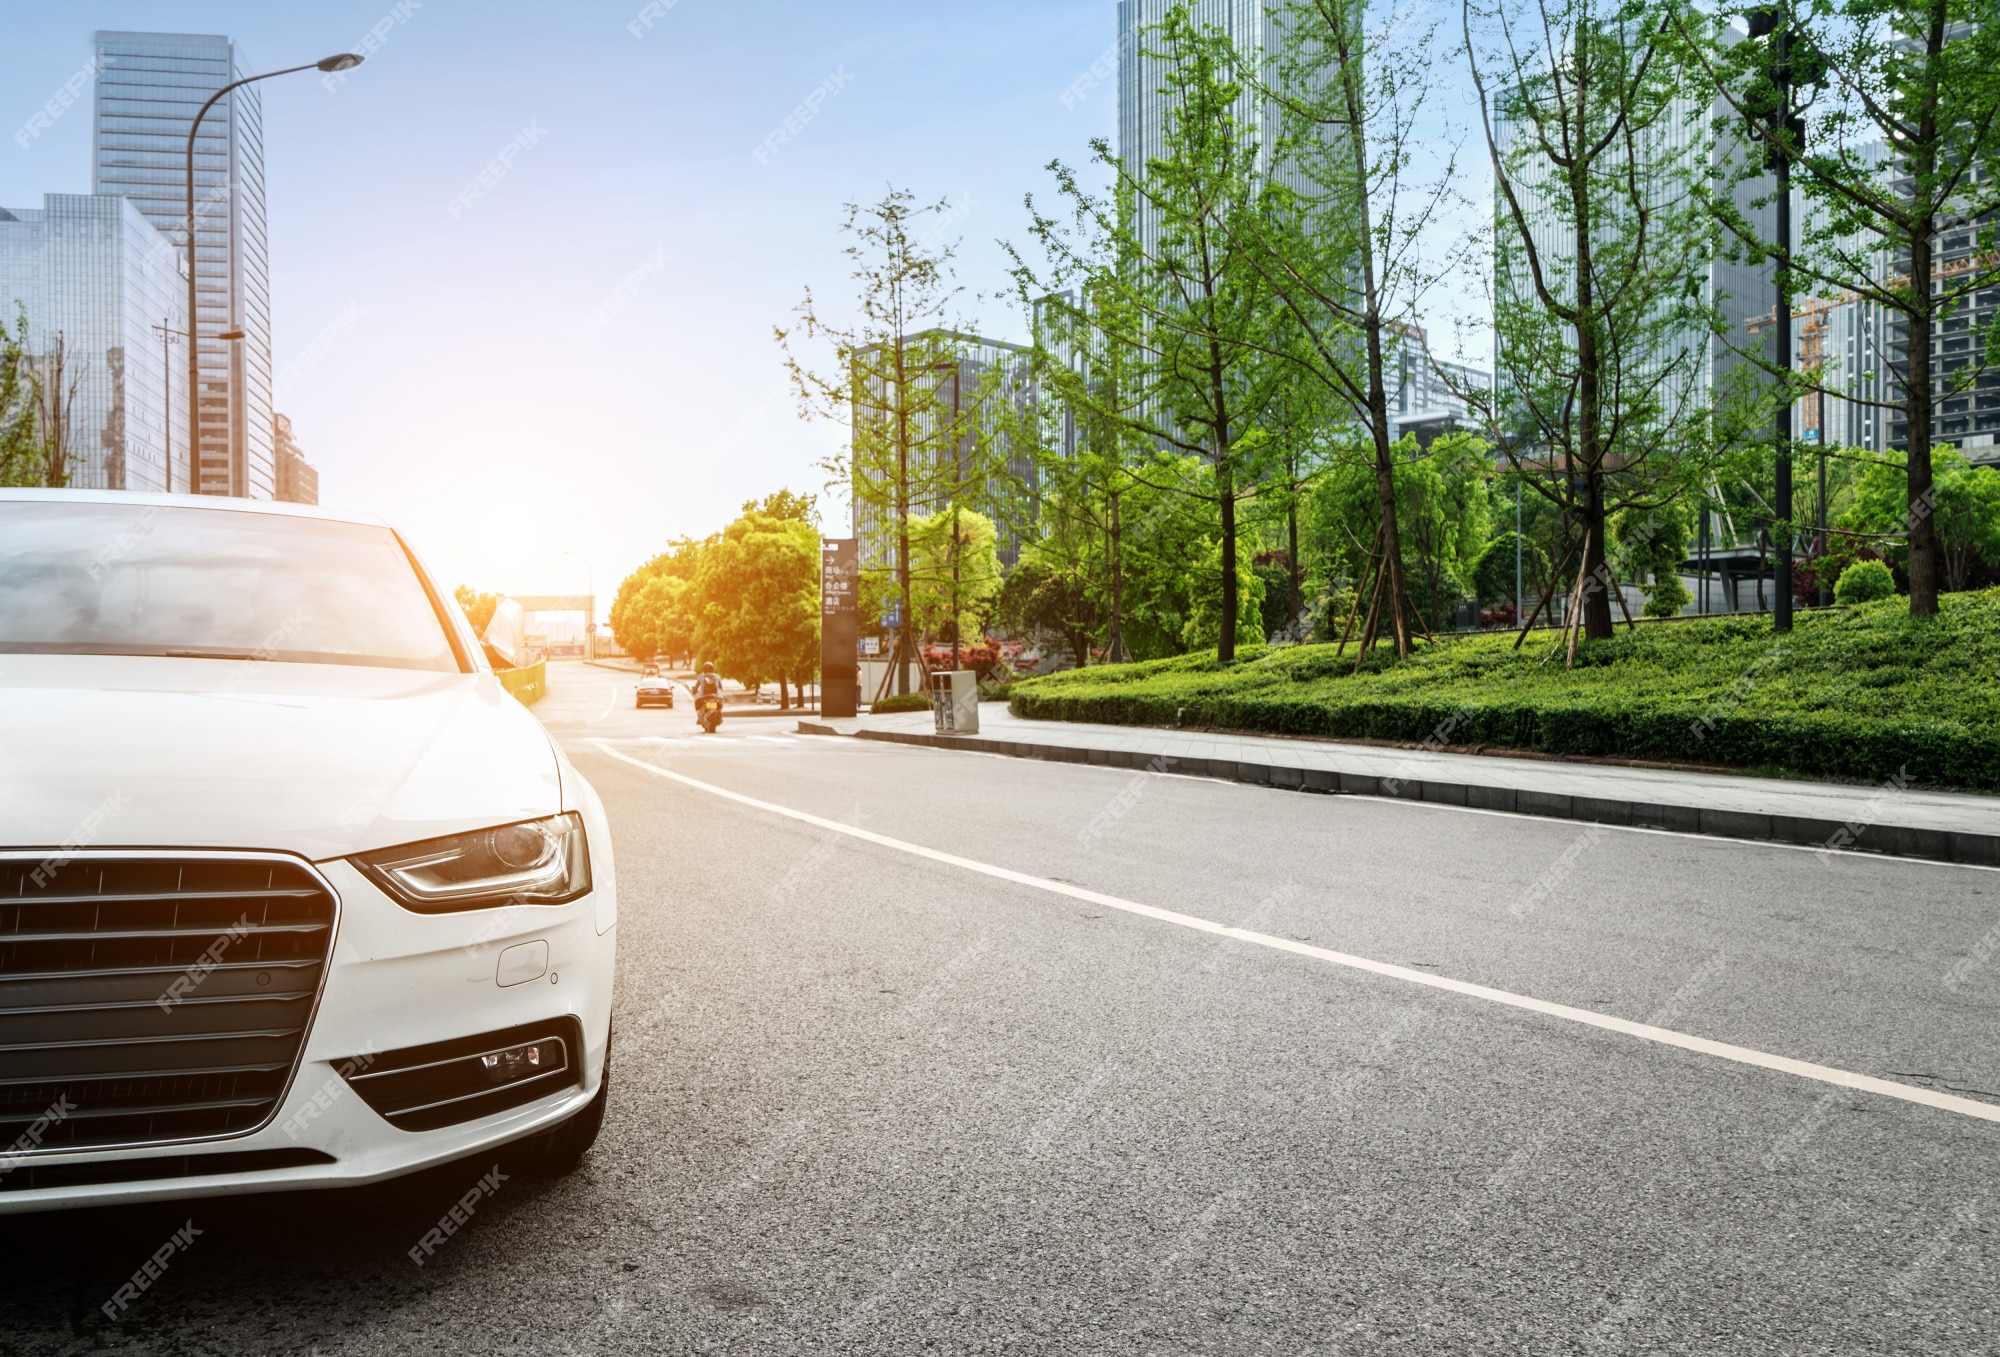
[{"x": 867, "y": 1101}]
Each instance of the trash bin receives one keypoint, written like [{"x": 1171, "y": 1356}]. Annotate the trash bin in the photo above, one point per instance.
[{"x": 955, "y": 701}]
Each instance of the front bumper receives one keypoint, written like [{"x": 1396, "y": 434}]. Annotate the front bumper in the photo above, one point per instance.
[{"x": 398, "y": 979}]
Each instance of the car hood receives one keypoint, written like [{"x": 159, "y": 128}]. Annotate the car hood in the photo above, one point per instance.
[{"x": 319, "y": 760}]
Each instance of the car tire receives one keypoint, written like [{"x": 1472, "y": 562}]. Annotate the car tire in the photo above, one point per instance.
[{"x": 557, "y": 1151}]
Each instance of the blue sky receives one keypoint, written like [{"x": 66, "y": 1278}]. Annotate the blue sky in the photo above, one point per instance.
[
  {"x": 580, "y": 360},
  {"x": 471, "y": 376}
]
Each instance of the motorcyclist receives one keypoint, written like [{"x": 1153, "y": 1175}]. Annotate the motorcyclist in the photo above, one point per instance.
[{"x": 708, "y": 683}]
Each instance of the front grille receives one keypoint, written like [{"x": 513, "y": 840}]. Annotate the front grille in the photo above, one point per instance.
[{"x": 151, "y": 998}]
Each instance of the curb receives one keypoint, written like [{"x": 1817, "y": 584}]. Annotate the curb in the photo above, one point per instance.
[{"x": 1903, "y": 841}]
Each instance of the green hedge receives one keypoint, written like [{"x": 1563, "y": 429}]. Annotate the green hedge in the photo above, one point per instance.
[
  {"x": 901, "y": 702},
  {"x": 1858, "y": 693}
]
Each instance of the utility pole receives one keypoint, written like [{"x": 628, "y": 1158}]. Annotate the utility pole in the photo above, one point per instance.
[{"x": 167, "y": 336}]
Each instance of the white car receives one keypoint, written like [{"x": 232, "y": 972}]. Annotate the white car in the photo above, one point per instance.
[{"x": 292, "y": 892}]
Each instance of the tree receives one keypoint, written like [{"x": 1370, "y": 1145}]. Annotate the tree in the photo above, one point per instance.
[
  {"x": 1656, "y": 542},
  {"x": 1159, "y": 270},
  {"x": 888, "y": 382},
  {"x": 1902, "y": 161},
  {"x": 478, "y": 607},
  {"x": 1050, "y": 597},
  {"x": 20, "y": 400},
  {"x": 55, "y": 416},
  {"x": 786, "y": 504},
  {"x": 657, "y": 622},
  {"x": 755, "y": 602},
  {"x": 1601, "y": 245},
  {"x": 954, "y": 584},
  {"x": 1342, "y": 250},
  {"x": 1964, "y": 513}
]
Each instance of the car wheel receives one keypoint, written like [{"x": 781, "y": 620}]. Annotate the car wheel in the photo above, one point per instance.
[{"x": 556, "y": 1152}]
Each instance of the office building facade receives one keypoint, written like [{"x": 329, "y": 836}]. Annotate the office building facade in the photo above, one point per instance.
[
  {"x": 149, "y": 88},
  {"x": 982, "y": 387},
  {"x": 91, "y": 269},
  {"x": 297, "y": 479}
]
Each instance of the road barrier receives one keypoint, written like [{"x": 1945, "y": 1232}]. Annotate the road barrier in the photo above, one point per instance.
[{"x": 528, "y": 682}]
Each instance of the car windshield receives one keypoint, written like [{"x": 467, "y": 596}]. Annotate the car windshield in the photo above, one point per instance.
[{"x": 81, "y": 578}]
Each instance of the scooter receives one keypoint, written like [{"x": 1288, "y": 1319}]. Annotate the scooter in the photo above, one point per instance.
[{"x": 708, "y": 711}]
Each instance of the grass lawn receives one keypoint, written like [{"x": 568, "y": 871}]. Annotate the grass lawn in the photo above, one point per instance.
[{"x": 1860, "y": 693}]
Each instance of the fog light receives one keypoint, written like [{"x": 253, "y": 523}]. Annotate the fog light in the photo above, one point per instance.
[{"x": 519, "y": 1062}]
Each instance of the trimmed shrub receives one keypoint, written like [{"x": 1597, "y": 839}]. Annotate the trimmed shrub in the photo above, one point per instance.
[
  {"x": 901, "y": 702},
  {"x": 1863, "y": 693},
  {"x": 1864, "y": 582}
]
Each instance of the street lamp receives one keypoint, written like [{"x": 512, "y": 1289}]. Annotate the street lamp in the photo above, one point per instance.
[
  {"x": 1778, "y": 120},
  {"x": 345, "y": 61}
]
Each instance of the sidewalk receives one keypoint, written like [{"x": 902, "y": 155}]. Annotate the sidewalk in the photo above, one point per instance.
[{"x": 1943, "y": 826}]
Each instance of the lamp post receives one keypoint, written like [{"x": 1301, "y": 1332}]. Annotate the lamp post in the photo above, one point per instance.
[
  {"x": 590, "y": 613},
  {"x": 345, "y": 61},
  {"x": 1791, "y": 61}
]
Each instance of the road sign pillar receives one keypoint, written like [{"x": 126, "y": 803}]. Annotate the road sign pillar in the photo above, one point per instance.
[{"x": 839, "y": 670}]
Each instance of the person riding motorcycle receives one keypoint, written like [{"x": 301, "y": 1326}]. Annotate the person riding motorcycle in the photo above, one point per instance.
[{"x": 708, "y": 698}]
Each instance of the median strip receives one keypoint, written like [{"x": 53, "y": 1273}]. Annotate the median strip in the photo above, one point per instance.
[{"x": 1741, "y": 1055}]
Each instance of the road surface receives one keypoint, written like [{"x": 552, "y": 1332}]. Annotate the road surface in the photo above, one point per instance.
[{"x": 981, "y": 1078}]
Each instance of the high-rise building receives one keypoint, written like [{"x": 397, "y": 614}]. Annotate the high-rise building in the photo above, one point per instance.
[
  {"x": 974, "y": 387},
  {"x": 91, "y": 269},
  {"x": 1253, "y": 27},
  {"x": 297, "y": 479},
  {"x": 149, "y": 88}
]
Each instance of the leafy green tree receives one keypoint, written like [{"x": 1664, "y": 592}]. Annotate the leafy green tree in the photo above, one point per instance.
[
  {"x": 953, "y": 584},
  {"x": 915, "y": 438},
  {"x": 1442, "y": 502},
  {"x": 1601, "y": 242},
  {"x": 755, "y": 602},
  {"x": 657, "y": 623},
  {"x": 1206, "y": 612},
  {"x": 20, "y": 398},
  {"x": 1899, "y": 156},
  {"x": 1964, "y": 507},
  {"x": 1050, "y": 597},
  {"x": 1342, "y": 250},
  {"x": 1654, "y": 542},
  {"x": 1178, "y": 294}
]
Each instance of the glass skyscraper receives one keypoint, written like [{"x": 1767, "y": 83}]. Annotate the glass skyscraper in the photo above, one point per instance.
[
  {"x": 149, "y": 87},
  {"x": 92, "y": 269}
]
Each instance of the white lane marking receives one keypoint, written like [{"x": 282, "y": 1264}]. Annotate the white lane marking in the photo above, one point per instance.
[{"x": 1742, "y": 1055}]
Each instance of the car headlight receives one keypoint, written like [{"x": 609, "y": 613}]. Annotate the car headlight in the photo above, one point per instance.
[{"x": 539, "y": 862}]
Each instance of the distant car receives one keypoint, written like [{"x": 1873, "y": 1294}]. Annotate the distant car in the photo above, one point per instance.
[
  {"x": 287, "y": 879},
  {"x": 654, "y": 691}
]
